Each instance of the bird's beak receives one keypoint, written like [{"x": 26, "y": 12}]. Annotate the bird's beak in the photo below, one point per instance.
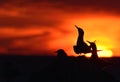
[
  {"x": 89, "y": 42},
  {"x": 76, "y": 26},
  {"x": 94, "y": 41},
  {"x": 55, "y": 51}
]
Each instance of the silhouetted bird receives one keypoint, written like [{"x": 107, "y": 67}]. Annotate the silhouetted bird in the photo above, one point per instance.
[
  {"x": 81, "y": 46},
  {"x": 61, "y": 53},
  {"x": 94, "y": 57},
  {"x": 94, "y": 50}
]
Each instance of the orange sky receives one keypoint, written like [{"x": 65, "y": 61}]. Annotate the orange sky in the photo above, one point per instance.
[{"x": 42, "y": 27}]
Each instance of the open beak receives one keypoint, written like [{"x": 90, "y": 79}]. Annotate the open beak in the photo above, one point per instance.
[{"x": 89, "y": 42}]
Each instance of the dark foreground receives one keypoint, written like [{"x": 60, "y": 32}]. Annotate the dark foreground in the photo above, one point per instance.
[{"x": 53, "y": 69}]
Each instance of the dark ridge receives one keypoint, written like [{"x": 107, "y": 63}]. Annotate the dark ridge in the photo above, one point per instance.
[{"x": 52, "y": 69}]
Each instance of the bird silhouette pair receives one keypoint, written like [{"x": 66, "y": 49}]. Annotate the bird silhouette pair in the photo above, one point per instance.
[{"x": 81, "y": 46}]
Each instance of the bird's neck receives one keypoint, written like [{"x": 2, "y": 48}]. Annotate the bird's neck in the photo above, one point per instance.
[
  {"x": 94, "y": 52},
  {"x": 81, "y": 37}
]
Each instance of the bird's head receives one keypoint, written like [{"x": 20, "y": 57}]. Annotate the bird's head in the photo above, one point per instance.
[
  {"x": 80, "y": 30},
  {"x": 59, "y": 50},
  {"x": 61, "y": 53}
]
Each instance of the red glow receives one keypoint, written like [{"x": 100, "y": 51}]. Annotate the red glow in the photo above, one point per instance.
[{"x": 39, "y": 28}]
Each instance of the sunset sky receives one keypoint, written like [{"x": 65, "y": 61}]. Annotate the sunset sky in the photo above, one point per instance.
[{"x": 43, "y": 26}]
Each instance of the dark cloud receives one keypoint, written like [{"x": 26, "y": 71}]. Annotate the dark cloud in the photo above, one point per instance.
[
  {"x": 77, "y": 5},
  {"x": 27, "y": 15},
  {"x": 8, "y": 21},
  {"x": 50, "y": 13},
  {"x": 7, "y": 41},
  {"x": 28, "y": 44},
  {"x": 89, "y": 5},
  {"x": 68, "y": 5}
]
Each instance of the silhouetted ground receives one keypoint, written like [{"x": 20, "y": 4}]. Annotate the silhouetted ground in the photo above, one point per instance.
[{"x": 53, "y": 69}]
